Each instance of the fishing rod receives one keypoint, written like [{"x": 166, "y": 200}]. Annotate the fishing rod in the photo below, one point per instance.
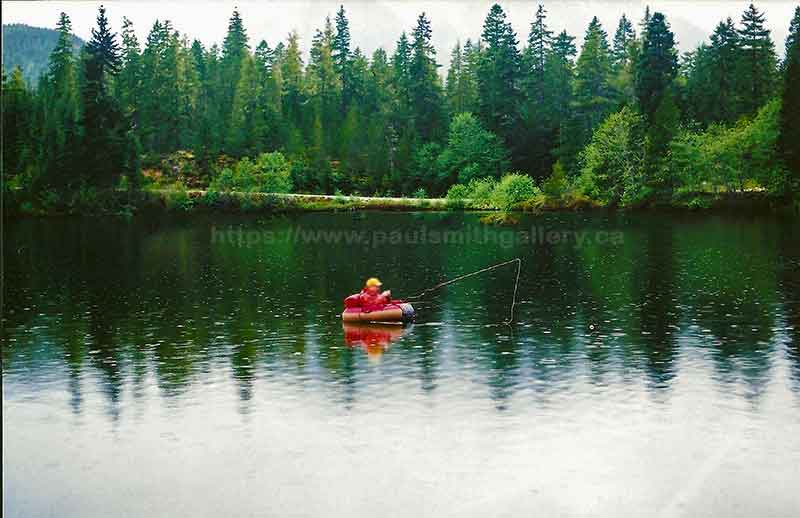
[{"x": 518, "y": 260}]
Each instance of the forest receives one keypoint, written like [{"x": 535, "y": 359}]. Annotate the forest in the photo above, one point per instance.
[{"x": 623, "y": 121}]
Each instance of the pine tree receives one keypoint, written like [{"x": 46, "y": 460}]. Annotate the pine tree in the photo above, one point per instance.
[
  {"x": 246, "y": 129},
  {"x": 794, "y": 32},
  {"x": 657, "y": 65},
  {"x": 324, "y": 85},
  {"x": 623, "y": 39},
  {"x": 128, "y": 83},
  {"x": 340, "y": 53},
  {"x": 758, "y": 74},
  {"x": 592, "y": 94},
  {"x": 154, "y": 80},
  {"x": 378, "y": 108},
  {"x": 17, "y": 117},
  {"x": 60, "y": 112},
  {"x": 724, "y": 103},
  {"x": 293, "y": 84},
  {"x": 234, "y": 50},
  {"x": 401, "y": 68},
  {"x": 461, "y": 85},
  {"x": 498, "y": 87},
  {"x": 103, "y": 122},
  {"x": 789, "y": 120},
  {"x": 455, "y": 100},
  {"x": 424, "y": 83},
  {"x": 535, "y": 55},
  {"x": 560, "y": 70}
]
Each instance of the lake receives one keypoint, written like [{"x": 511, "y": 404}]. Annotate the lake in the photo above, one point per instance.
[{"x": 197, "y": 365}]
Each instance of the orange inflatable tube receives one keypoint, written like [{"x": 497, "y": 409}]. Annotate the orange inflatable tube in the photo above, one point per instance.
[{"x": 399, "y": 313}]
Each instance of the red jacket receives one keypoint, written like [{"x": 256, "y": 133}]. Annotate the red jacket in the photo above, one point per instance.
[{"x": 368, "y": 302}]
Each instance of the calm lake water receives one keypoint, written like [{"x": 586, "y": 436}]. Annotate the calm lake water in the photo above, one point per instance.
[{"x": 198, "y": 366}]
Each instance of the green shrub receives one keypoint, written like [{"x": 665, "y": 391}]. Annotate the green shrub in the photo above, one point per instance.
[
  {"x": 612, "y": 165},
  {"x": 269, "y": 173},
  {"x": 480, "y": 192},
  {"x": 420, "y": 193},
  {"x": 512, "y": 189},
  {"x": 556, "y": 185},
  {"x": 457, "y": 192},
  {"x": 731, "y": 159}
]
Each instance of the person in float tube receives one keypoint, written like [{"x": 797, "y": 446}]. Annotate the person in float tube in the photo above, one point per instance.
[{"x": 370, "y": 298}]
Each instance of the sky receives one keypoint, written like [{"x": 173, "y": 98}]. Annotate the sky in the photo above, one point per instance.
[{"x": 376, "y": 24}]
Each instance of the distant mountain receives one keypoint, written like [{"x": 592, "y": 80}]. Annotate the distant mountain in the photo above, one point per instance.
[{"x": 30, "y": 48}]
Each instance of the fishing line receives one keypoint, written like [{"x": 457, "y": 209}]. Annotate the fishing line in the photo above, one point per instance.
[{"x": 461, "y": 277}]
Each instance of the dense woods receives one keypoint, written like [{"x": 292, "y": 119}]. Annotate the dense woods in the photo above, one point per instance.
[{"x": 624, "y": 120}]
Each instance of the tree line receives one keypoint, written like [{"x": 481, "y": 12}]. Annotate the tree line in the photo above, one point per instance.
[{"x": 624, "y": 119}]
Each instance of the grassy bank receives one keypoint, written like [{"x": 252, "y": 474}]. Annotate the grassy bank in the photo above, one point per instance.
[{"x": 129, "y": 203}]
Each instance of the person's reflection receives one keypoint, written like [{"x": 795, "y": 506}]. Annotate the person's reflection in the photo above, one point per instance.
[{"x": 375, "y": 339}]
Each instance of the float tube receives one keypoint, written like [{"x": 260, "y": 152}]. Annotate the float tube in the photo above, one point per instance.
[{"x": 397, "y": 312}]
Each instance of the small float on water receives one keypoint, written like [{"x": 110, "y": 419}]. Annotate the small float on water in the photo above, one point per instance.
[
  {"x": 372, "y": 305},
  {"x": 396, "y": 311}
]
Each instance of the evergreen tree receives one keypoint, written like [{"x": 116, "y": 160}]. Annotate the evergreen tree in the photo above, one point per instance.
[
  {"x": 535, "y": 55},
  {"x": 247, "y": 127},
  {"x": 794, "y": 33},
  {"x": 455, "y": 99},
  {"x": 592, "y": 95},
  {"x": 340, "y": 53},
  {"x": 758, "y": 73},
  {"x": 724, "y": 56},
  {"x": 623, "y": 39},
  {"x": 324, "y": 85},
  {"x": 789, "y": 119},
  {"x": 103, "y": 122},
  {"x": 498, "y": 89},
  {"x": 128, "y": 83},
  {"x": 293, "y": 84},
  {"x": 560, "y": 70},
  {"x": 657, "y": 65},
  {"x": 461, "y": 86},
  {"x": 234, "y": 50},
  {"x": 401, "y": 67},
  {"x": 154, "y": 79},
  {"x": 378, "y": 109},
  {"x": 18, "y": 124},
  {"x": 60, "y": 112},
  {"x": 425, "y": 85}
]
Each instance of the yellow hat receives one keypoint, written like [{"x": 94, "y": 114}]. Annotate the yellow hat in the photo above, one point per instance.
[{"x": 373, "y": 281}]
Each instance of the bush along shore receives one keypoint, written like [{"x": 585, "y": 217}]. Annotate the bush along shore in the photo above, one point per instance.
[
  {"x": 625, "y": 123},
  {"x": 500, "y": 199}
]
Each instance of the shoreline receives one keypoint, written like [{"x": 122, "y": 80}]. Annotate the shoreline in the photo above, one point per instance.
[{"x": 130, "y": 203}]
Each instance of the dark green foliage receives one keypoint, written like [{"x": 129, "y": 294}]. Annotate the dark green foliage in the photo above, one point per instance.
[
  {"x": 657, "y": 65},
  {"x": 592, "y": 94},
  {"x": 794, "y": 33},
  {"x": 619, "y": 124},
  {"x": 498, "y": 91},
  {"x": 104, "y": 126},
  {"x": 624, "y": 38},
  {"x": 471, "y": 151},
  {"x": 789, "y": 123},
  {"x": 59, "y": 117},
  {"x": 758, "y": 73},
  {"x": 424, "y": 82},
  {"x": 18, "y": 123},
  {"x": 462, "y": 81}
]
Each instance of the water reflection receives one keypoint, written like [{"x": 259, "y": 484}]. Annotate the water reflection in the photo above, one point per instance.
[
  {"x": 110, "y": 304},
  {"x": 374, "y": 339}
]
